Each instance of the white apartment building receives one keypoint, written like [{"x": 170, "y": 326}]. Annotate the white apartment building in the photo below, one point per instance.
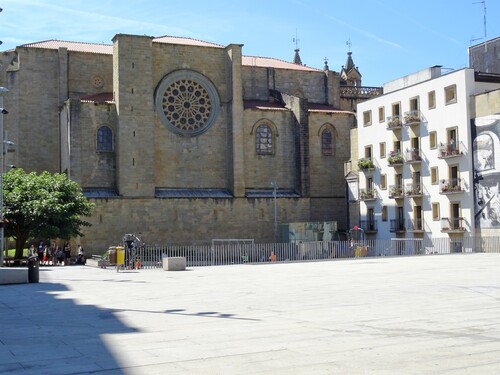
[{"x": 415, "y": 147}]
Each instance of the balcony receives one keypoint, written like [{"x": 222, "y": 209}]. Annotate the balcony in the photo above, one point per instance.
[
  {"x": 412, "y": 118},
  {"x": 413, "y": 156},
  {"x": 450, "y": 150},
  {"x": 415, "y": 226},
  {"x": 453, "y": 225},
  {"x": 414, "y": 190},
  {"x": 396, "y": 192},
  {"x": 369, "y": 226},
  {"x": 366, "y": 165},
  {"x": 367, "y": 195},
  {"x": 395, "y": 159},
  {"x": 451, "y": 186},
  {"x": 397, "y": 226},
  {"x": 394, "y": 122}
]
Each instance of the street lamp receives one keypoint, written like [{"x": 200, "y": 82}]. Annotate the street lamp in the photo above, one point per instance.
[
  {"x": 275, "y": 186},
  {"x": 3, "y": 111}
]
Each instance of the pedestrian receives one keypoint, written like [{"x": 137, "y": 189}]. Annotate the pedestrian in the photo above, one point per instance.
[
  {"x": 67, "y": 253},
  {"x": 40, "y": 249}
]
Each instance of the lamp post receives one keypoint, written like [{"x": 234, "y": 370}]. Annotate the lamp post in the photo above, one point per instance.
[
  {"x": 3, "y": 111},
  {"x": 275, "y": 186}
]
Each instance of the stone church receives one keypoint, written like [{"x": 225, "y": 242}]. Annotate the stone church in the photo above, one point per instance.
[{"x": 181, "y": 140}]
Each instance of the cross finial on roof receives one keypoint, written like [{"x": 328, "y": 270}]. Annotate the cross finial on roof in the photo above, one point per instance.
[{"x": 349, "y": 44}]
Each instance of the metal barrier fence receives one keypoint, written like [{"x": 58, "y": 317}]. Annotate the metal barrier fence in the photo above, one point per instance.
[{"x": 212, "y": 255}]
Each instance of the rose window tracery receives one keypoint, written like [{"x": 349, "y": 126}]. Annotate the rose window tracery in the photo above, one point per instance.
[{"x": 187, "y": 103}]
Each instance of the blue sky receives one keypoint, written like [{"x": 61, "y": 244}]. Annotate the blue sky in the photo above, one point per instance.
[{"x": 389, "y": 38}]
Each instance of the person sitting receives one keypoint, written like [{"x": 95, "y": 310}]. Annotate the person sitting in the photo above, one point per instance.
[{"x": 81, "y": 256}]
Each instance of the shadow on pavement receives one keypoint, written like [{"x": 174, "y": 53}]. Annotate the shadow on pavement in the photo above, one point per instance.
[{"x": 41, "y": 332}]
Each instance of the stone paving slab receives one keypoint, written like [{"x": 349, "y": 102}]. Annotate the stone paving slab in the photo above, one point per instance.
[{"x": 437, "y": 314}]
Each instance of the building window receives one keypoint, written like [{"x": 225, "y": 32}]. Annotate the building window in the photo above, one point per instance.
[
  {"x": 264, "y": 140},
  {"x": 450, "y": 94},
  {"x": 104, "y": 139},
  {"x": 432, "y": 139},
  {"x": 381, "y": 114},
  {"x": 396, "y": 109},
  {"x": 435, "y": 211},
  {"x": 368, "y": 152},
  {"x": 382, "y": 150},
  {"x": 383, "y": 182},
  {"x": 397, "y": 147},
  {"x": 434, "y": 175},
  {"x": 326, "y": 143},
  {"x": 367, "y": 118},
  {"x": 431, "y": 97},
  {"x": 384, "y": 213},
  {"x": 414, "y": 104}
]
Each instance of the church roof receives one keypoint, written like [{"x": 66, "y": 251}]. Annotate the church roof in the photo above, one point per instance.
[
  {"x": 267, "y": 62},
  {"x": 185, "y": 41},
  {"x": 107, "y": 49}
]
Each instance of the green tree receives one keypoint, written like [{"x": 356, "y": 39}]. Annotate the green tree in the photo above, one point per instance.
[{"x": 42, "y": 205}]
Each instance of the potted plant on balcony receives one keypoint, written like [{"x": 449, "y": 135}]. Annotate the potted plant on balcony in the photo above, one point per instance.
[
  {"x": 411, "y": 118},
  {"x": 395, "y": 158},
  {"x": 365, "y": 163},
  {"x": 394, "y": 122}
]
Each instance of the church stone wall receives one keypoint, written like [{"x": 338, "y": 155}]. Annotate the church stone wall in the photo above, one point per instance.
[
  {"x": 164, "y": 221},
  {"x": 133, "y": 88},
  {"x": 192, "y": 162},
  {"x": 326, "y": 171},
  {"x": 258, "y": 81},
  {"x": 260, "y": 170},
  {"x": 89, "y": 167},
  {"x": 33, "y": 102},
  {"x": 84, "y": 69}
]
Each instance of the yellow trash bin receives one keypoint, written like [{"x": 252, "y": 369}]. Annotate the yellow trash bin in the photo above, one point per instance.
[
  {"x": 361, "y": 251},
  {"x": 120, "y": 255}
]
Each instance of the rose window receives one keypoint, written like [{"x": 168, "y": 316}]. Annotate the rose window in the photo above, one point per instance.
[{"x": 187, "y": 103}]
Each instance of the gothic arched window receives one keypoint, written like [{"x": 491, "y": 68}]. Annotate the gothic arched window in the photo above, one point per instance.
[
  {"x": 264, "y": 140},
  {"x": 104, "y": 139},
  {"x": 327, "y": 142}
]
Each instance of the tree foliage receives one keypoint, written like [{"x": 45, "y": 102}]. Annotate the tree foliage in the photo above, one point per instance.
[{"x": 42, "y": 205}]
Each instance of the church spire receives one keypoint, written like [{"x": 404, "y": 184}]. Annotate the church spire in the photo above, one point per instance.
[
  {"x": 296, "y": 59},
  {"x": 349, "y": 63}
]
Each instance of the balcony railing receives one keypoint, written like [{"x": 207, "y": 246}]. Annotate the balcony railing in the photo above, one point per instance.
[
  {"x": 397, "y": 225},
  {"x": 414, "y": 190},
  {"x": 450, "y": 150},
  {"x": 396, "y": 192},
  {"x": 367, "y": 195},
  {"x": 416, "y": 225},
  {"x": 455, "y": 224},
  {"x": 451, "y": 186},
  {"x": 360, "y": 92},
  {"x": 395, "y": 159},
  {"x": 369, "y": 226},
  {"x": 413, "y": 155},
  {"x": 412, "y": 118},
  {"x": 394, "y": 122}
]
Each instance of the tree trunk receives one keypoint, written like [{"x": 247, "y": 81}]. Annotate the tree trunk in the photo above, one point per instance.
[{"x": 20, "y": 241}]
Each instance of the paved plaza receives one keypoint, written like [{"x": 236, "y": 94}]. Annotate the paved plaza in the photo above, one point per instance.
[{"x": 437, "y": 314}]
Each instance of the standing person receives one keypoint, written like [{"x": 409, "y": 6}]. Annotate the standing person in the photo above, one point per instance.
[
  {"x": 39, "y": 250},
  {"x": 67, "y": 253}
]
